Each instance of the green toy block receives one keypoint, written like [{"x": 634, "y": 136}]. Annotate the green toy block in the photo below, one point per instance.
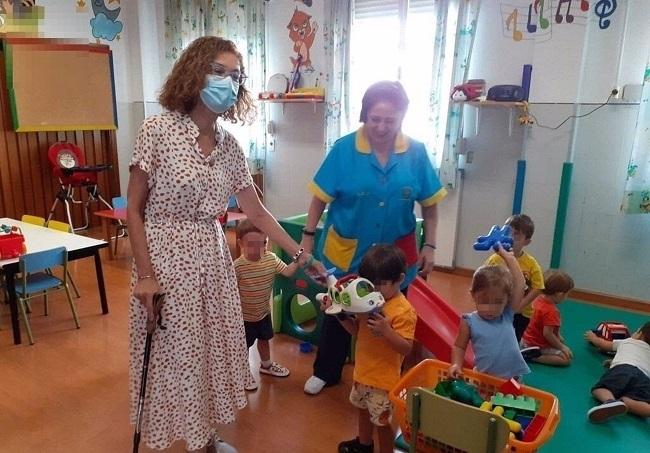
[
  {"x": 459, "y": 390},
  {"x": 510, "y": 414},
  {"x": 520, "y": 403}
]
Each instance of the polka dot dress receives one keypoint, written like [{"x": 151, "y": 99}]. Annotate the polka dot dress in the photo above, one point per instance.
[{"x": 198, "y": 364}]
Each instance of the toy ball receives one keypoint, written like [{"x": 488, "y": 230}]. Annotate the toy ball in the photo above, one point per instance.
[
  {"x": 612, "y": 330},
  {"x": 351, "y": 294},
  {"x": 497, "y": 235}
]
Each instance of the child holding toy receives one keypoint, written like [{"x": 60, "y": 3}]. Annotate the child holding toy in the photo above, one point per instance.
[
  {"x": 256, "y": 269},
  {"x": 544, "y": 328},
  {"x": 522, "y": 234},
  {"x": 383, "y": 339},
  {"x": 625, "y": 387},
  {"x": 498, "y": 293}
]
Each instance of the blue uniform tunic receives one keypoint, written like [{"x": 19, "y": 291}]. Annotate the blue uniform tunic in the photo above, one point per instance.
[{"x": 370, "y": 203}]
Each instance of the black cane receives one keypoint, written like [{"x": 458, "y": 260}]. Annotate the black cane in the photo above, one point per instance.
[{"x": 157, "y": 302}]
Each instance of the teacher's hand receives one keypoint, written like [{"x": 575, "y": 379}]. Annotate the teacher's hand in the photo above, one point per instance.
[
  {"x": 426, "y": 260},
  {"x": 144, "y": 291}
]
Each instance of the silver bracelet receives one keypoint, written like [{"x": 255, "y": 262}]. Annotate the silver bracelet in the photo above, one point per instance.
[{"x": 144, "y": 277}]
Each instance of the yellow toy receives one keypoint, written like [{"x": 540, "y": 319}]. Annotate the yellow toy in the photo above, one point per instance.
[{"x": 498, "y": 410}]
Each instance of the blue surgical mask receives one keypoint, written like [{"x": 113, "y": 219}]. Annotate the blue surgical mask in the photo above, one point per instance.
[{"x": 219, "y": 94}]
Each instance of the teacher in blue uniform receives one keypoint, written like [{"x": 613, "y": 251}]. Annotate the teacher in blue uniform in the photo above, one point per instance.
[{"x": 371, "y": 180}]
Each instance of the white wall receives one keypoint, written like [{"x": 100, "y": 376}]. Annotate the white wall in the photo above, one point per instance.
[
  {"x": 299, "y": 137},
  {"x": 579, "y": 63}
]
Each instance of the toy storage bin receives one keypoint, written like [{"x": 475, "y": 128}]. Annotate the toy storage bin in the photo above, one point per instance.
[
  {"x": 429, "y": 372},
  {"x": 12, "y": 245}
]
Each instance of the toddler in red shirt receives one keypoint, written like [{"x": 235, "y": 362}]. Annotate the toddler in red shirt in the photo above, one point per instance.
[{"x": 544, "y": 328}]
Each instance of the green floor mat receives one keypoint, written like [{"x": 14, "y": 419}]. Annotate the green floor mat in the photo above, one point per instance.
[{"x": 572, "y": 387}]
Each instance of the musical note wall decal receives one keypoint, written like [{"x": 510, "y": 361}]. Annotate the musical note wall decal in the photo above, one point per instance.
[
  {"x": 543, "y": 22},
  {"x": 568, "y": 15},
  {"x": 604, "y": 9},
  {"x": 512, "y": 19},
  {"x": 584, "y": 5},
  {"x": 530, "y": 26}
]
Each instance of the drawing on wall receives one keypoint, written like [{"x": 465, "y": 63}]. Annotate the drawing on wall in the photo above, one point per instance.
[
  {"x": 105, "y": 24},
  {"x": 604, "y": 9},
  {"x": 302, "y": 32},
  {"x": 536, "y": 19},
  {"x": 20, "y": 16},
  {"x": 81, "y": 6}
]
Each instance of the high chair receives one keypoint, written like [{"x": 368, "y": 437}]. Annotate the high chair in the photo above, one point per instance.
[{"x": 69, "y": 166}]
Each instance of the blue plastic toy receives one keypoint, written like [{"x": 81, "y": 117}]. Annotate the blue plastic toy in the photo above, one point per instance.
[{"x": 497, "y": 235}]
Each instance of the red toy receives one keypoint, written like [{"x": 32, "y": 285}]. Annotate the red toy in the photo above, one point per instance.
[
  {"x": 612, "y": 330},
  {"x": 468, "y": 91},
  {"x": 534, "y": 428},
  {"x": 12, "y": 244},
  {"x": 511, "y": 387}
]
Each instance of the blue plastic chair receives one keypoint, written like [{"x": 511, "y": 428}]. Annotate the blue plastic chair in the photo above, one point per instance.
[
  {"x": 36, "y": 282},
  {"x": 119, "y": 203}
]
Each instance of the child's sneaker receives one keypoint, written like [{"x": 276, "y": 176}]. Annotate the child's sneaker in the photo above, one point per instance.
[
  {"x": 531, "y": 353},
  {"x": 314, "y": 385},
  {"x": 607, "y": 410},
  {"x": 354, "y": 446},
  {"x": 275, "y": 369}
]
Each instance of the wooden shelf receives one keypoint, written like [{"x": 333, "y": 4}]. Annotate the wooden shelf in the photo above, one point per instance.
[
  {"x": 492, "y": 103},
  {"x": 294, "y": 100}
]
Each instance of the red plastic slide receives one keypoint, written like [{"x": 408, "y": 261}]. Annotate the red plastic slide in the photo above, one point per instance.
[{"x": 438, "y": 322}]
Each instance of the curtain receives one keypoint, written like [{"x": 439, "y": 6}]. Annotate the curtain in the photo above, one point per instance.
[
  {"x": 240, "y": 21},
  {"x": 636, "y": 199},
  {"x": 458, "y": 17},
  {"x": 336, "y": 32}
]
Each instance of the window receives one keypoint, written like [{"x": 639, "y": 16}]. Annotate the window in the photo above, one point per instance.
[{"x": 394, "y": 40}]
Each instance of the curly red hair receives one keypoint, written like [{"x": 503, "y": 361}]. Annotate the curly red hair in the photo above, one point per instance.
[{"x": 181, "y": 89}]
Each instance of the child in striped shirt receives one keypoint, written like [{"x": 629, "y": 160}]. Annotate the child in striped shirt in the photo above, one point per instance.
[{"x": 256, "y": 269}]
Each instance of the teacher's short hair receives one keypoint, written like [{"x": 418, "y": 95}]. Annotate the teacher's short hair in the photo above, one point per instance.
[{"x": 384, "y": 91}]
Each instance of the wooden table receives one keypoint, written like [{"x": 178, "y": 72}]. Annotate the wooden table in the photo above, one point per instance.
[
  {"x": 106, "y": 215},
  {"x": 38, "y": 239}
]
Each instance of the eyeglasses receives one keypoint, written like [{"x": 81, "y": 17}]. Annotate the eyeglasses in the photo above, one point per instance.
[{"x": 220, "y": 71}]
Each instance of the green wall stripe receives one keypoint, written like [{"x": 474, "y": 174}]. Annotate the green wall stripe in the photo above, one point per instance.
[{"x": 560, "y": 217}]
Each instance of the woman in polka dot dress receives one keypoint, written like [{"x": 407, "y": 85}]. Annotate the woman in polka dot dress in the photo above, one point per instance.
[{"x": 184, "y": 169}]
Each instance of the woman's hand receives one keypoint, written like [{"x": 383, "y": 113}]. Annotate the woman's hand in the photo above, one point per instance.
[
  {"x": 313, "y": 268},
  {"x": 144, "y": 291},
  {"x": 426, "y": 260}
]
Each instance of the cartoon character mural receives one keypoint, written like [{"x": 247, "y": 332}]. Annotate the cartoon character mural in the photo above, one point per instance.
[
  {"x": 302, "y": 31},
  {"x": 105, "y": 24}
]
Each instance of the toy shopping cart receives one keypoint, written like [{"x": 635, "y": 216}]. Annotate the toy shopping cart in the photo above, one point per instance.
[{"x": 445, "y": 426}]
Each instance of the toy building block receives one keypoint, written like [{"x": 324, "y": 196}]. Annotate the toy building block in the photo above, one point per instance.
[
  {"x": 510, "y": 414},
  {"x": 511, "y": 387},
  {"x": 497, "y": 235},
  {"x": 523, "y": 420},
  {"x": 522, "y": 403},
  {"x": 534, "y": 428},
  {"x": 498, "y": 410}
]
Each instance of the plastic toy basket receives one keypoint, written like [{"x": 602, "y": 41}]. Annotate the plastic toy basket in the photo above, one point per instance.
[
  {"x": 12, "y": 244},
  {"x": 429, "y": 372}
]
